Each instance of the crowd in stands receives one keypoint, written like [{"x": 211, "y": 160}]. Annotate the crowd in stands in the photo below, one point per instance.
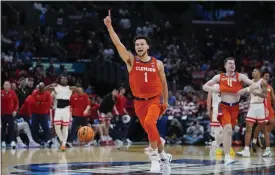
[{"x": 188, "y": 62}]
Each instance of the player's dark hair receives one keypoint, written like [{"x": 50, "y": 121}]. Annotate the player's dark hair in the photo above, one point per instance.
[
  {"x": 227, "y": 59},
  {"x": 78, "y": 85},
  {"x": 146, "y": 38},
  {"x": 265, "y": 72},
  {"x": 121, "y": 88}
]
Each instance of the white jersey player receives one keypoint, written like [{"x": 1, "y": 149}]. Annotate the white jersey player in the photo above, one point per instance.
[
  {"x": 256, "y": 111},
  {"x": 62, "y": 114}
]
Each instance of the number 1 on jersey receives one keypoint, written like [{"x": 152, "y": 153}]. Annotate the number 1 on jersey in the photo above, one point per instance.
[{"x": 146, "y": 77}]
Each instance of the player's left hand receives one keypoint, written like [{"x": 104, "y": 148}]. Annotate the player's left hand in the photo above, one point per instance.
[
  {"x": 163, "y": 108},
  {"x": 14, "y": 113},
  {"x": 85, "y": 113}
]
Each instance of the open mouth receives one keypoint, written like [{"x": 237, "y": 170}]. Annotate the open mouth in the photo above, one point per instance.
[{"x": 140, "y": 51}]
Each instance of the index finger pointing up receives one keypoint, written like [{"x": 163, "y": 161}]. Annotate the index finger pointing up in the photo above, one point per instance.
[{"x": 109, "y": 13}]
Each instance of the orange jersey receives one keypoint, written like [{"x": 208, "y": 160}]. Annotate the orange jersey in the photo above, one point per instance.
[
  {"x": 144, "y": 79},
  {"x": 230, "y": 83},
  {"x": 268, "y": 98}
]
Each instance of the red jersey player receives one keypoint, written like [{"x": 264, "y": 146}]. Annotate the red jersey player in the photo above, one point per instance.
[{"x": 149, "y": 87}]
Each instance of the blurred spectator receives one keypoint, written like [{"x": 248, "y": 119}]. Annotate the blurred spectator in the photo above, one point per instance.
[
  {"x": 174, "y": 133},
  {"x": 194, "y": 133}
]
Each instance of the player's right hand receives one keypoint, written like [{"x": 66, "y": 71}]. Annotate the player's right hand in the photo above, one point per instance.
[{"x": 107, "y": 20}]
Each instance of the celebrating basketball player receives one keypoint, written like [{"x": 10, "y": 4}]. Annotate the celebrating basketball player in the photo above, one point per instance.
[
  {"x": 62, "y": 112},
  {"x": 256, "y": 111},
  {"x": 213, "y": 100},
  {"x": 148, "y": 84},
  {"x": 270, "y": 116},
  {"x": 230, "y": 85}
]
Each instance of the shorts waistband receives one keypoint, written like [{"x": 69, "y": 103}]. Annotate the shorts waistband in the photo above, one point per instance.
[
  {"x": 229, "y": 104},
  {"x": 144, "y": 99}
]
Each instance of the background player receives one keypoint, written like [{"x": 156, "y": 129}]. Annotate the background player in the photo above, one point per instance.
[
  {"x": 62, "y": 114},
  {"x": 270, "y": 116},
  {"x": 148, "y": 83},
  {"x": 230, "y": 83},
  {"x": 213, "y": 100},
  {"x": 256, "y": 111}
]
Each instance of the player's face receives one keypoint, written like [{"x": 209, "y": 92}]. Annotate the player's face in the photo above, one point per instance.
[
  {"x": 114, "y": 93},
  {"x": 230, "y": 66},
  {"x": 256, "y": 73},
  {"x": 122, "y": 91},
  {"x": 7, "y": 86},
  {"x": 266, "y": 77},
  {"x": 63, "y": 80},
  {"x": 141, "y": 47}
]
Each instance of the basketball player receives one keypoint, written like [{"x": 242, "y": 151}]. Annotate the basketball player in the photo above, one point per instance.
[
  {"x": 256, "y": 111},
  {"x": 230, "y": 84},
  {"x": 213, "y": 100},
  {"x": 148, "y": 84},
  {"x": 270, "y": 116},
  {"x": 62, "y": 114}
]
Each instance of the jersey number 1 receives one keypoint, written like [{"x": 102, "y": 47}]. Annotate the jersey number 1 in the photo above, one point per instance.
[{"x": 145, "y": 77}]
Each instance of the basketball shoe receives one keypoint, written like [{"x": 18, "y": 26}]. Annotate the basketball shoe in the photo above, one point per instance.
[
  {"x": 228, "y": 160},
  {"x": 244, "y": 153},
  {"x": 155, "y": 163}
]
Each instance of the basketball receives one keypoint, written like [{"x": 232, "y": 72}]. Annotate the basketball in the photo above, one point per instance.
[{"x": 85, "y": 134}]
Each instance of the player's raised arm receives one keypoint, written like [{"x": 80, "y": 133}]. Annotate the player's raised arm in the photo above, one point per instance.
[
  {"x": 50, "y": 87},
  {"x": 123, "y": 52},
  {"x": 209, "y": 85}
]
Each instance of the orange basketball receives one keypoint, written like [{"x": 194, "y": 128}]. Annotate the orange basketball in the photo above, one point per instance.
[{"x": 85, "y": 134}]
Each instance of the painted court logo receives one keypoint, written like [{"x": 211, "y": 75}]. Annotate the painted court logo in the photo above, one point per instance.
[{"x": 178, "y": 167}]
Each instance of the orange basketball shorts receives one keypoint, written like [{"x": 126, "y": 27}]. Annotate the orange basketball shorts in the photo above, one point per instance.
[
  {"x": 228, "y": 113},
  {"x": 148, "y": 112}
]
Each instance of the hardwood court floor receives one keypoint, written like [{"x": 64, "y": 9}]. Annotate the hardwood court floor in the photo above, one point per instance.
[{"x": 131, "y": 160}]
